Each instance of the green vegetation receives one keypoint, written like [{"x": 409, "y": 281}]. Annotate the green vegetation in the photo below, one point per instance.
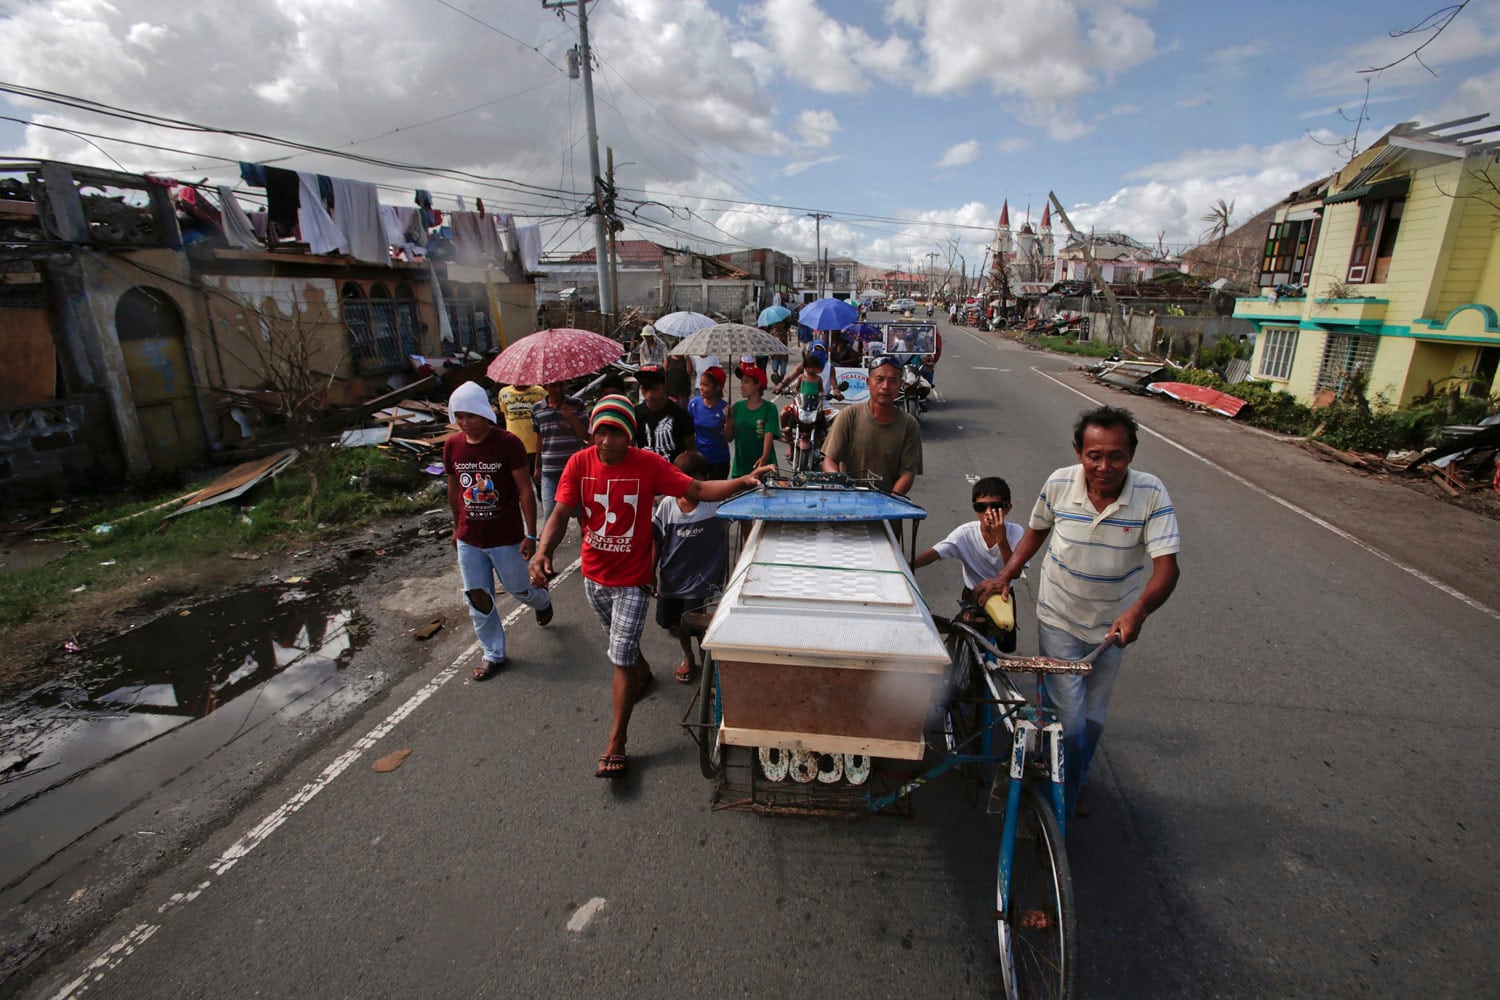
[
  {"x": 1352, "y": 425},
  {"x": 356, "y": 486},
  {"x": 1070, "y": 345}
]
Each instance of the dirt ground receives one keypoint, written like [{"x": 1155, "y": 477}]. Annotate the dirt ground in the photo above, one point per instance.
[{"x": 30, "y": 652}]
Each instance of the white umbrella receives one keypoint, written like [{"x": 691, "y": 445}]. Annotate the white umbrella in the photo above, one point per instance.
[{"x": 681, "y": 324}]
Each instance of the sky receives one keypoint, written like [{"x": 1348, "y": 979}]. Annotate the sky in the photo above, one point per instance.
[{"x": 906, "y": 122}]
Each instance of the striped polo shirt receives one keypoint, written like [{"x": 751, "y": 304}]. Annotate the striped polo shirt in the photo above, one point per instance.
[{"x": 1098, "y": 562}]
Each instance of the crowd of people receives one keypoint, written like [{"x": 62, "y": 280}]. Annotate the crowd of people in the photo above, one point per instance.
[{"x": 644, "y": 479}]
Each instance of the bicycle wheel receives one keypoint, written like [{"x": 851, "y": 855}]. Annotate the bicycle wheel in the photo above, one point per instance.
[
  {"x": 962, "y": 715},
  {"x": 710, "y": 759},
  {"x": 1038, "y": 936}
]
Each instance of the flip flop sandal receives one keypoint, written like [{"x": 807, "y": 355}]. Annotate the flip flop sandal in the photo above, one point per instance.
[
  {"x": 611, "y": 765},
  {"x": 487, "y": 669},
  {"x": 685, "y": 676}
]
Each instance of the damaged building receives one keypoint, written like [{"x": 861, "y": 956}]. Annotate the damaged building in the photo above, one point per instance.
[{"x": 139, "y": 312}]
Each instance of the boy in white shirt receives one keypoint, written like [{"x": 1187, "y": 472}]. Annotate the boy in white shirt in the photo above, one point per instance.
[{"x": 983, "y": 546}]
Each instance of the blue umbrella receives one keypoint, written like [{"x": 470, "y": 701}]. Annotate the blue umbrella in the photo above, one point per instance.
[
  {"x": 865, "y": 332},
  {"x": 828, "y": 314},
  {"x": 773, "y": 315}
]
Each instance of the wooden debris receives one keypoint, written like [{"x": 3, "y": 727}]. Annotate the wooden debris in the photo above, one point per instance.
[
  {"x": 1348, "y": 458},
  {"x": 1443, "y": 482}
]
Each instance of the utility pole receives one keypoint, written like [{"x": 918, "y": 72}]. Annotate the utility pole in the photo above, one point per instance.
[
  {"x": 614, "y": 274},
  {"x": 818, "y": 218},
  {"x": 601, "y": 219},
  {"x": 1116, "y": 319},
  {"x": 931, "y": 256}
]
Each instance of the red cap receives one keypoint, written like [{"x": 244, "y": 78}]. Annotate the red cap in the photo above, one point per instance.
[{"x": 755, "y": 372}]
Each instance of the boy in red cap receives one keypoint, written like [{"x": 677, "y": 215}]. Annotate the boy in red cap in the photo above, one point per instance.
[{"x": 614, "y": 484}]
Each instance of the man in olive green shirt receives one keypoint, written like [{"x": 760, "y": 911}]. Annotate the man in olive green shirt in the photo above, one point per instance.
[{"x": 876, "y": 436}]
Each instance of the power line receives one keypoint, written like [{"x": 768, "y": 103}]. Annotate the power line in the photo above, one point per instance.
[{"x": 502, "y": 32}]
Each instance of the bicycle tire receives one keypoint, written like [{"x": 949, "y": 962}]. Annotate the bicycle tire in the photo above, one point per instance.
[
  {"x": 1038, "y": 936},
  {"x": 710, "y": 755},
  {"x": 962, "y": 714}
]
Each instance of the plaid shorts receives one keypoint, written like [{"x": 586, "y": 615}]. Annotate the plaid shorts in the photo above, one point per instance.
[{"x": 622, "y": 611}]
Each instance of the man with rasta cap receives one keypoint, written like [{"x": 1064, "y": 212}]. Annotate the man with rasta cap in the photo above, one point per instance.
[
  {"x": 614, "y": 484},
  {"x": 494, "y": 518}
]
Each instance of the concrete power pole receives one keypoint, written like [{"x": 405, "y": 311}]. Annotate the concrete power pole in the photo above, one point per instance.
[
  {"x": 1116, "y": 318},
  {"x": 601, "y": 222},
  {"x": 818, "y": 218},
  {"x": 931, "y": 256}
]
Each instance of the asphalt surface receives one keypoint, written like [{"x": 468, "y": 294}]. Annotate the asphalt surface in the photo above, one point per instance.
[{"x": 1293, "y": 796}]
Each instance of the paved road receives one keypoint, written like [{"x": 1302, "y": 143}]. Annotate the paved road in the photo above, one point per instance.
[{"x": 1293, "y": 797}]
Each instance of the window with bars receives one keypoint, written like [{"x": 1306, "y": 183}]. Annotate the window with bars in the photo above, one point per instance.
[
  {"x": 469, "y": 318},
  {"x": 1289, "y": 252},
  {"x": 1344, "y": 356},
  {"x": 1280, "y": 343}
]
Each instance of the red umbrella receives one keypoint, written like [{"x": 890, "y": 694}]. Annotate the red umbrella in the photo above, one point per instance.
[{"x": 553, "y": 356}]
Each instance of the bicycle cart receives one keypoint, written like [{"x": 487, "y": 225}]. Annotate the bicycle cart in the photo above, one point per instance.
[{"x": 823, "y": 670}]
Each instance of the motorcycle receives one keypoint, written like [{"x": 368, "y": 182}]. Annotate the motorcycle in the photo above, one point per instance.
[
  {"x": 916, "y": 386},
  {"x": 804, "y": 426}
]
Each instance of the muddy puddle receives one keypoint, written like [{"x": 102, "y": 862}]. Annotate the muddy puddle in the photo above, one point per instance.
[{"x": 241, "y": 657}]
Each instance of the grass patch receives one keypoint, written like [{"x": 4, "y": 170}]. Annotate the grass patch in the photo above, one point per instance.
[
  {"x": 356, "y": 486},
  {"x": 1069, "y": 345}
]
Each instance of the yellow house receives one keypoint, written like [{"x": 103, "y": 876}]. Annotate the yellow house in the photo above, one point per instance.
[{"x": 1389, "y": 269}]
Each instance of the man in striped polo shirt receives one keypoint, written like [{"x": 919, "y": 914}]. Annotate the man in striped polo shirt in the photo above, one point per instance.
[{"x": 1105, "y": 522}]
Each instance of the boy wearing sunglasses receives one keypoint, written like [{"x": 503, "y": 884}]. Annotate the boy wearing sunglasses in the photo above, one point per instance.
[{"x": 983, "y": 546}]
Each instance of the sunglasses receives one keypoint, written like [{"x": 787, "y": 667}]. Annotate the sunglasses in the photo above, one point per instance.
[{"x": 980, "y": 508}]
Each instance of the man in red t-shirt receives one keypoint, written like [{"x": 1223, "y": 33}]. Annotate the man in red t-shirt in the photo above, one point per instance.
[
  {"x": 494, "y": 519},
  {"x": 615, "y": 485}
]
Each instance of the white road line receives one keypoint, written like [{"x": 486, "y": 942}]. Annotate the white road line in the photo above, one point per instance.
[
  {"x": 121, "y": 949},
  {"x": 982, "y": 368},
  {"x": 1315, "y": 519}
]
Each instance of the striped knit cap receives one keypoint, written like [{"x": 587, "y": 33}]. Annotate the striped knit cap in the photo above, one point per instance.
[{"x": 614, "y": 409}]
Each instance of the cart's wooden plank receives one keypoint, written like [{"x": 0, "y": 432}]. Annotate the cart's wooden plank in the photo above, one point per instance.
[{"x": 893, "y": 749}]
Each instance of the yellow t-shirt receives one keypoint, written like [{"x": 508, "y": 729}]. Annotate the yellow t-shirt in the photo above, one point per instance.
[{"x": 516, "y": 405}]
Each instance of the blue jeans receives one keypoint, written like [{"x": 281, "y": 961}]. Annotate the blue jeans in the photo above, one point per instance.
[
  {"x": 1081, "y": 703},
  {"x": 479, "y": 567}
]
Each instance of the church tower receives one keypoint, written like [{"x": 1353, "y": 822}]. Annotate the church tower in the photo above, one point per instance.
[{"x": 1048, "y": 251}]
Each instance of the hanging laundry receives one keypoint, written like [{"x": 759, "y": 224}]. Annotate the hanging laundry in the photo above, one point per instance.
[
  {"x": 261, "y": 223},
  {"x": 318, "y": 229},
  {"x": 253, "y": 174},
  {"x": 424, "y": 199},
  {"x": 283, "y": 198},
  {"x": 461, "y": 206},
  {"x": 505, "y": 223},
  {"x": 390, "y": 224},
  {"x": 479, "y": 206},
  {"x": 238, "y": 229},
  {"x": 325, "y": 191},
  {"x": 530, "y": 240},
  {"x": 474, "y": 238},
  {"x": 357, "y": 213}
]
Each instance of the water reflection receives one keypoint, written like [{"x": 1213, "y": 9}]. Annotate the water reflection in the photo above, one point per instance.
[{"x": 276, "y": 642}]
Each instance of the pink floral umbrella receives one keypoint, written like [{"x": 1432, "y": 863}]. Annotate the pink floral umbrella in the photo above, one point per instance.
[{"x": 553, "y": 356}]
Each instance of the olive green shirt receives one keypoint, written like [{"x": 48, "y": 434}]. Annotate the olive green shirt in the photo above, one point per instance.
[{"x": 860, "y": 443}]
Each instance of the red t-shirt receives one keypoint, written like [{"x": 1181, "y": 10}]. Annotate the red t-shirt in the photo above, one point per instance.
[
  {"x": 490, "y": 512},
  {"x": 616, "y": 501}
]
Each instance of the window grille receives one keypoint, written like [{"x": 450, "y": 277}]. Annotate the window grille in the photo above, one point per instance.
[
  {"x": 1276, "y": 354},
  {"x": 1344, "y": 356}
]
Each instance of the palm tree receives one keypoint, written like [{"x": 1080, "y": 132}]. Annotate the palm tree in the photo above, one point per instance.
[{"x": 1219, "y": 219}]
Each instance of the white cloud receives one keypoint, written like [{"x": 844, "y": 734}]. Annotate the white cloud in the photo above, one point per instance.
[
  {"x": 958, "y": 154},
  {"x": 799, "y": 166},
  {"x": 822, "y": 52},
  {"x": 1196, "y": 101},
  {"x": 1473, "y": 34},
  {"x": 1120, "y": 110},
  {"x": 1173, "y": 195},
  {"x": 1473, "y": 96},
  {"x": 816, "y": 128},
  {"x": 1040, "y": 56},
  {"x": 1014, "y": 144}
]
